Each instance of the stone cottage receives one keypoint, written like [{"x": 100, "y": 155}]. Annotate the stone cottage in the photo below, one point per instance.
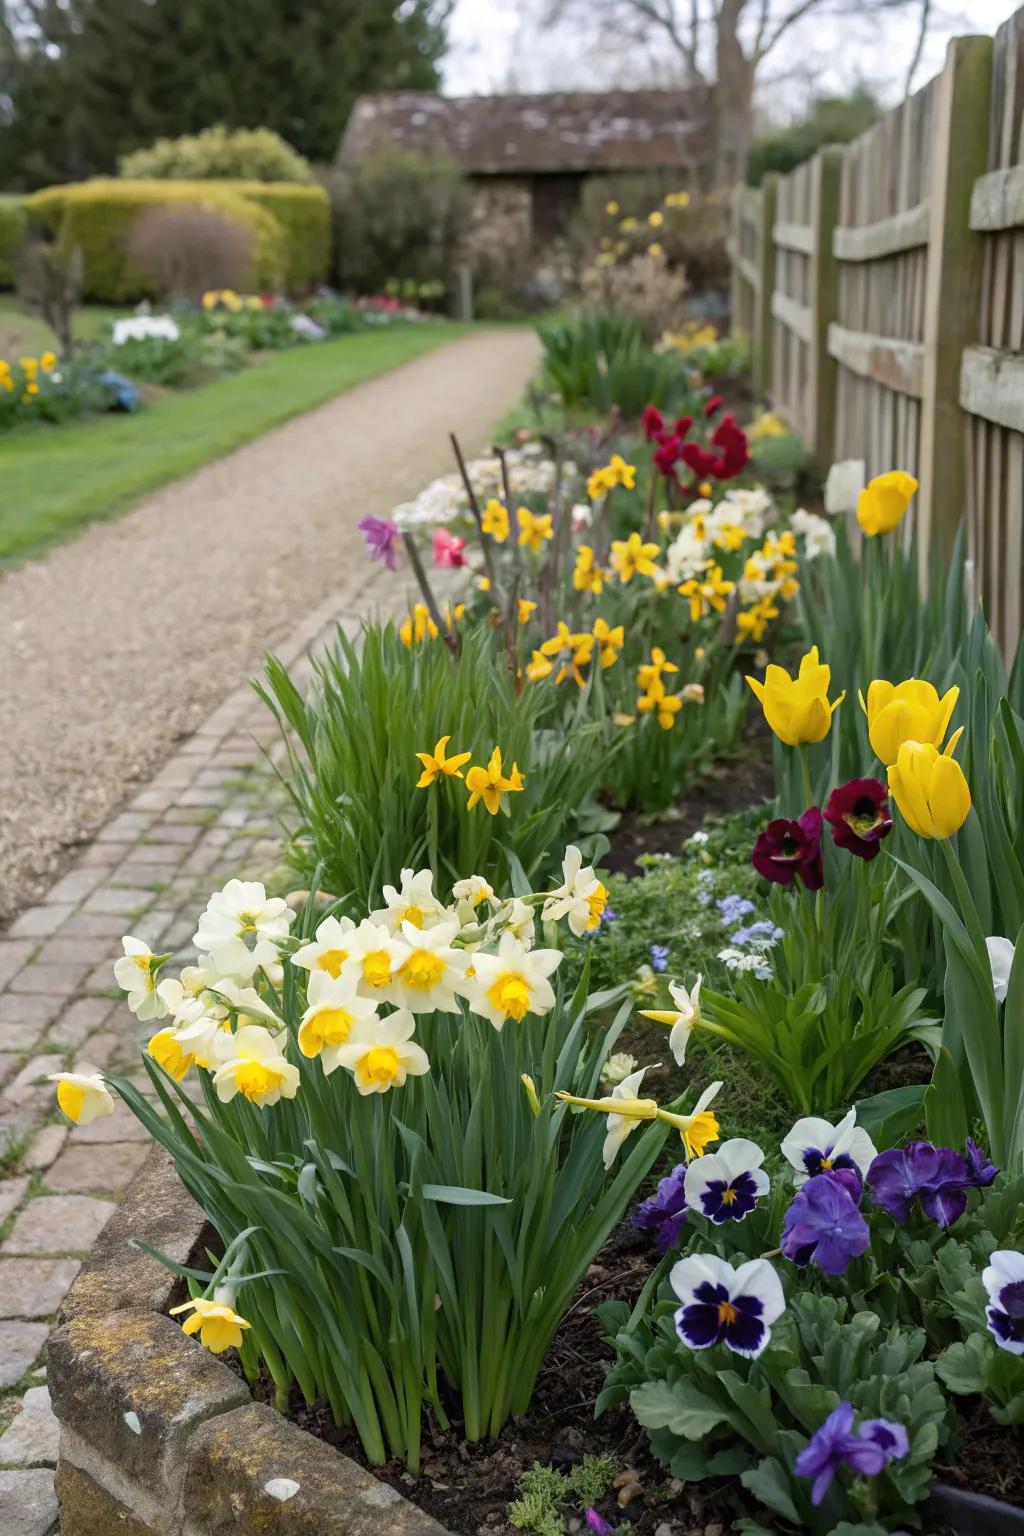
[{"x": 528, "y": 157}]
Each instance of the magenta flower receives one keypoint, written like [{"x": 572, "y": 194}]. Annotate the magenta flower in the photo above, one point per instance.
[
  {"x": 834, "y": 1445},
  {"x": 824, "y": 1224},
  {"x": 787, "y": 848},
  {"x": 382, "y": 540},
  {"x": 448, "y": 550},
  {"x": 858, "y": 813}
]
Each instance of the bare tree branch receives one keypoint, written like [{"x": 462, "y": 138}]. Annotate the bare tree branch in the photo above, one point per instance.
[{"x": 922, "y": 33}]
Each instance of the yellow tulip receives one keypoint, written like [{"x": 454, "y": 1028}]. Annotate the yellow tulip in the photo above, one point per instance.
[
  {"x": 908, "y": 711},
  {"x": 883, "y": 501},
  {"x": 797, "y": 708},
  {"x": 930, "y": 789}
]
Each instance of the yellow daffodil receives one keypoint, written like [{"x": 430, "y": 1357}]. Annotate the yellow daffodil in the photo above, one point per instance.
[
  {"x": 797, "y": 709},
  {"x": 751, "y": 623},
  {"x": 599, "y": 484},
  {"x": 491, "y": 785},
  {"x": 707, "y": 593},
  {"x": 611, "y": 208},
  {"x": 417, "y": 626},
  {"x": 533, "y": 530},
  {"x": 621, "y": 473},
  {"x": 83, "y": 1096},
  {"x": 209, "y": 299},
  {"x": 698, "y": 1129},
  {"x": 588, "y": 575},
  {"x": 531, "y": 1094},
  {"x": 678, "y": 200},
  {"x": 656, "y": 219},
  {"x": 729, "y": 536},
  {"x": 524, "y": 609},
  {"x": 495, "y": 521},
  {"x": 650, "y": 672},
  {"x": 539, "y": 667},
  {"x": 767, "y": 424},
  {"x": 664, "y": 706},
  {"x": 656, "y": 249},
  {"x": 609, "y": 641},
  {"x": 574, "y": 651},
  {"x": 908, "y": 711},
  {"x": 930, "y": 789},
  {"x": 219, "y": 1326},
  {"x": 437, "y": 766},
  {"x": 483, "y": 584},
  {"x": 168, "y": 1052},
  {"x": 628, "y": 224},
  {"x": 48, "y": 362},
  {"x": 254, "y": 1065},
  {"x": 884, "y": 500},
  {"x": 632, "y": 556}
]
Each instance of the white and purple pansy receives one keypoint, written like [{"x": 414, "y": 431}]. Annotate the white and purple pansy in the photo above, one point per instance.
[
  {"x": 814, "y": 1146},
  {"x": 727, "y": 1184},
  {"x": 1004, "y": 1281},
  {"x": 723, "y": 1305}
]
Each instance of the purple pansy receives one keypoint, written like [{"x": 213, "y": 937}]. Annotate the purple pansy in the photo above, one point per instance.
[
  {"x": 727, "y": 1184},
  {"x": 664, "y": 1214},
  {"x": 722, "y": 1305},
  {"x": 383, "y": 540},
  {"x": 834, "y": 1445},
  {"x": 937, "y": 1176},
  {"x": 824, "y": 1224},
  {"x": 788, "y": 848},
  {"x": 1004, "y": 1282}
]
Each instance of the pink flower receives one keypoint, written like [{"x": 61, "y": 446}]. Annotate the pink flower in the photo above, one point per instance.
[{"x": 448, "y": 550}]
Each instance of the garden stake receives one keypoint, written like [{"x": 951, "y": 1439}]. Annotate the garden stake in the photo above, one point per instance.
[{"x": 474, "y": 507}]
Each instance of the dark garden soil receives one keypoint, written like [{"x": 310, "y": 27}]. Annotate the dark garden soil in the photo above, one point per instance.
[
  {"x": 734, "y": 786},
  {"x": 990, "y": 1459}
]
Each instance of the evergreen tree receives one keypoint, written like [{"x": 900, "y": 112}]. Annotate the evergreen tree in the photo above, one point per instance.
[{"x": 84, "y": 81}]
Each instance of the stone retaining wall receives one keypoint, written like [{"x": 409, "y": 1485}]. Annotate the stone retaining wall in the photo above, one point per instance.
[{"x": 157, "y": 1436}]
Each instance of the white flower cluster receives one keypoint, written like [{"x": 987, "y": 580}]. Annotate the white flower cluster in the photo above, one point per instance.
[
  {"x": 817, "y": 533},
  {"x": 530, "y": 473},
  {"x": 697, "y": 540},
  {"x": 412, "y": 956},
  {"x": 145, "y": 328}
]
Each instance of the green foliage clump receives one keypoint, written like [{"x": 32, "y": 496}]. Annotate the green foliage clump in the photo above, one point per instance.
[
  {"x": 218, "y": 154},
  {"x": 831, "y": 120},
  {"x": 544, "y": 1494},
  {"x": 13, "y": 223},
  {"x": 599, "y": 361},
  {"x": 397, "y": 216}
]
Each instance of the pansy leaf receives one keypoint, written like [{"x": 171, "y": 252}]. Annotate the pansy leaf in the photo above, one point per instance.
[
  {"x": 678, "y": 1406},
  {"x": 962, "y": 1367},
  {"x": 769, "y": 1482}
]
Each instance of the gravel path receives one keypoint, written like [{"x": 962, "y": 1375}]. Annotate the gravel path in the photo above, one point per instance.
[{"x": 119, "y": 643}]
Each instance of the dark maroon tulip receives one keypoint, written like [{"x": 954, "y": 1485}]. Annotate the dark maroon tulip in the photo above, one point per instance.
[
  {"x": 787, "y": 848},
  {"x": 858, "y": 813}
]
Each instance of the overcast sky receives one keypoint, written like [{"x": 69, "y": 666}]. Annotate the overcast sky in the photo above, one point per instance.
[{"x": 500, "y": 45}]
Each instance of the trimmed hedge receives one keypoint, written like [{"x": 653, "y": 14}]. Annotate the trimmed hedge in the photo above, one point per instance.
[
  {"x": 219, "y": 154},
  {"x": 288, "y": 224},
  {"x": 13, "y": 222}
]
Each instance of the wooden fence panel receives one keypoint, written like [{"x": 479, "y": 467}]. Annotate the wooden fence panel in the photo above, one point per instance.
[
  {"x": 791, "y": 300},
  {"x": 992, "y": 375},
  {"x": 881, "y": 248}
]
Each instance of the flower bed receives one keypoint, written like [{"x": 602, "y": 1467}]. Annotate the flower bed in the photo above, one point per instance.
[{"x": 763, "y": 1104}]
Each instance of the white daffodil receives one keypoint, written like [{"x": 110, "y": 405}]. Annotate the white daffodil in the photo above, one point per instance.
[
  {"x": 727, "y": 1184},
  {"x": 621, "y": 1126},
  {"x": 818, "y": 535},
  {"x": 682, "y": 1020},
  {"x": 1000, "y": 958},
  {"x": 845, "y": 482},
  {"x": 413, "y": 903},
  {"x": 335, "y": 1011},
  {"x": 381, "y": 1053},
  {"x": 749, "y": 508},
  {"x": 475, "y": 889},
  {"x": 83, "y": 1096},
  {"x": 430, "y": 972},
  {"x": 518, "y": 918},
  {"x": 136, "y": 972},
  {"x": 241, "y": 914},
  {"x": 245, "y": 1002},
  {"x": 253, "y": 1064},
  {"x": 168, "y": 1052},
  {"x": 617, "y": 1068},
  {"x": 198, "y": 1021},
  {"x": 374, "y": 955},
  {"x": 328, "y": 951},
  {"x": 513, "y": 982},
  {"x": 581, "y": 897},
  {"x": 815, "y": 1146}
]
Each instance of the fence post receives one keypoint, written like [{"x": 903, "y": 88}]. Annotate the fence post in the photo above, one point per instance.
[
  {"x": 826, "y": 168},
  {"x": 735, "y": 246},
  {"x": 954, "y": 281},
  {"x": 763, "y": 327}
]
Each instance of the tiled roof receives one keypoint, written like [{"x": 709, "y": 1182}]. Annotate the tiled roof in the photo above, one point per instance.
[{"x": 577, "y": 131}]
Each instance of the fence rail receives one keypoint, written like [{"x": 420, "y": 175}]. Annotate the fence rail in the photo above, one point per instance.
[{"x": 882, "y": 285}]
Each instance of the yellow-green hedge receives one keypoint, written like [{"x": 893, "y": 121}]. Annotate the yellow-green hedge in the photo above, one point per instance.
[
  {"x": 287, "y": 223},
  {"x": 12, "y": 228}
]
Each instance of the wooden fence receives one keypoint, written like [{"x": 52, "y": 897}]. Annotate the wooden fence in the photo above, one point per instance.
[{"x": 882, "y": 285}]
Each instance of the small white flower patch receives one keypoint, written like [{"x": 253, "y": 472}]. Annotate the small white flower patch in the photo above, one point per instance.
[
  {"x": 132, "y": 1420},
  {"x": 281, "y": 1488}
]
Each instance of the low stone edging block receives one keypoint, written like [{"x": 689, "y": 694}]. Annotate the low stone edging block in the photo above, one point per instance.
[{"x": 157, "y": 1436}]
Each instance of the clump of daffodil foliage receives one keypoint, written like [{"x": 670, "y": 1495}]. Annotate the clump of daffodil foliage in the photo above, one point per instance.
[{"x": 382, "y": 1120}]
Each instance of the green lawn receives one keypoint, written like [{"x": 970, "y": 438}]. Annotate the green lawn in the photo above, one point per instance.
[{"x": 54, "y": 479}]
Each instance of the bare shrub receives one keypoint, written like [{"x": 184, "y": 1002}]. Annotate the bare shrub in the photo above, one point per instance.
[
  {"x": 187, "y": 251},
  {"x": 642, "y": 288},
  {"x": 50, "y": 284}
]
